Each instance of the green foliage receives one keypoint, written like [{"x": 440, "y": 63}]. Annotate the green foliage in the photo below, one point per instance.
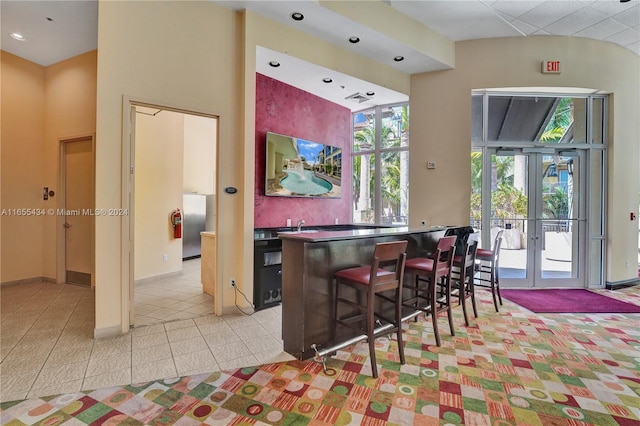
[
  {"x": 508, "y": 202},
  {"x": 555, "y": 205},
  {"x": 476, "y": 172},
  {"x": 560, "y": 121}
]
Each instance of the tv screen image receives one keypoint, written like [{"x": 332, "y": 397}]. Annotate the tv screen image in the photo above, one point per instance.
[{"x": 300, "y": 168}]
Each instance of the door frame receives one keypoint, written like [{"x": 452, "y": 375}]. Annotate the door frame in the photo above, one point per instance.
[
  {"x": 129, "y": 104},
  {"x": 61, "y": 259}
]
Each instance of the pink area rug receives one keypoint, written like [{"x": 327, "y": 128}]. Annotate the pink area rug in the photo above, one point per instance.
[{"x": 568, "y": 301}]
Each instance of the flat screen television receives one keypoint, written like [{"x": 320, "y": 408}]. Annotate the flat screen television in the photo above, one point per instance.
[{"x": 297, "y": 167}]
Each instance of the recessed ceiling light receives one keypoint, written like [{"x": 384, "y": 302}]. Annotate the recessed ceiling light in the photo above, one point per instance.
[
  {"x": 297, "y": 16},
  {"x": 17, "y": 36},
  {"x": 354, "y": 39},
  {"x": 370, "y": 93},
  {"x": 327, "y": 80},
  {"x": 274, "y": 64},
  {"x": 399, "y": 58}
]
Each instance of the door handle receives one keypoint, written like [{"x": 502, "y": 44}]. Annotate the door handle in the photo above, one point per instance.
[{"x": 66, "y": 225}]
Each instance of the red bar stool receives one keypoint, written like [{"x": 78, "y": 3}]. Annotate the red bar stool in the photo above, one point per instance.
[
  {"x": 369, "y": 281},
  {"x": 435, "y": 271},
  {"x": 463, "y": 277},
  {"x": 488, "y": 265}
]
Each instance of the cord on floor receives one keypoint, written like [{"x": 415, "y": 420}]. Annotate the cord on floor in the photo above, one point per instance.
[{"x": 235, "y": 299}]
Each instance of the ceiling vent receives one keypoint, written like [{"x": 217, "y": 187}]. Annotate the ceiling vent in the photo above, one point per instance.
[{"x": 358, "y": 97}]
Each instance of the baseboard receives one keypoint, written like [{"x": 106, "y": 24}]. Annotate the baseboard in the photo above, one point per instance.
[
  {"x": 104, "y": 332},
  {"x": 617, "y": 285},
  {"x": 29, "y": 281},
  {"x": 156, "y": 277}
]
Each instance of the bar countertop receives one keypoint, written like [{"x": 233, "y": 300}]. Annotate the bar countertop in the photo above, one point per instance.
[{"x": 313, "y": 235}]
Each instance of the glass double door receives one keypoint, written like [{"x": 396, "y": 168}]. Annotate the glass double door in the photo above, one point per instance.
[{"x": 537, "y": 200}]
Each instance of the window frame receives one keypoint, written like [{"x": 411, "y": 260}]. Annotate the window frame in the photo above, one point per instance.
[{"x": 377, "y": 151}]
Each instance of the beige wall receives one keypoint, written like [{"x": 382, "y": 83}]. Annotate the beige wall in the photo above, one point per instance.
[
  {"x": 441, "y": 125},
  {"x": 41, "y": 106},
  {"x": 195, "y": 66},
  {"x": 23, "y": 91},
  {"x": 205, "y": 64},
  {"x": 159, "y": 150},
  {"x": 69, "y": 111}
]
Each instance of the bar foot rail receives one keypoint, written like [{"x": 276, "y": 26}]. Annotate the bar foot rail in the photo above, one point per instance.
[{"x": 321, "y": 354}]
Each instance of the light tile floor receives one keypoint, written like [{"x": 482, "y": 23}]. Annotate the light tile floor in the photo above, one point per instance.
[
  {"x": 47, "y": 344},
  {"x": 169, "y": 298}
]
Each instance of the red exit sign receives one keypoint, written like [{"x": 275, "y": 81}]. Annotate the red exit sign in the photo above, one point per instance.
[{"x": 551, "y": 67}]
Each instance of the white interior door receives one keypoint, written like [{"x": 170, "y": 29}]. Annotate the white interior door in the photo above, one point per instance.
[{"x": 78, "y": 205}]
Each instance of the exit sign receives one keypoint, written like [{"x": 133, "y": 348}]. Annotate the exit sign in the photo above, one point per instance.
[{"x": 551, "y": 67}]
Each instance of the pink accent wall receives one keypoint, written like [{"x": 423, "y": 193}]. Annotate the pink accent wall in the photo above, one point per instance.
[{"x": 284, "y": 109}]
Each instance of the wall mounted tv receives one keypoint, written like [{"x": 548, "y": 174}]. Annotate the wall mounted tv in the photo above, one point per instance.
[{"x": 300, "y": 168}]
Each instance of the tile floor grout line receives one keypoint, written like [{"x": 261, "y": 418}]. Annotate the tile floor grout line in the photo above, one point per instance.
[
  {"x": 50, "y": 351},
  {"x": 52, "y": 348},
  {"x": 173, "y": 358}
]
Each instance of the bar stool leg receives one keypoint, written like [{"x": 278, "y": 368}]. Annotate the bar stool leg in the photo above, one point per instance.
[
  {"x": 462, "y": 300},
  {"x": 371, "y": 325},
  {"x": 472, "y": 291},
  {"x": 447, "y": 296},
  {"x": 335, "y": 311},
  {"x": 497, "y": 272},
  {"x": 399, "y": 325},
  {"x": 434, "y": 314},
  {"x": 493, "y": 287}
]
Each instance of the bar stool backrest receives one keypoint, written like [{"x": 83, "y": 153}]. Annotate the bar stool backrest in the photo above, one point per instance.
[
  {"x": 443, "y": 259},
  {"x": 497, "y": 242},
  {"x": 391, "y": 254}
]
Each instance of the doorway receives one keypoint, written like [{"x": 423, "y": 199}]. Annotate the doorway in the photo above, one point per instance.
[
  {"x": 76, "y": 215},
  {"x": 538, "y": 202},
  {"x": 538, "y": 173},
  {"x": 173, "y": 153}
]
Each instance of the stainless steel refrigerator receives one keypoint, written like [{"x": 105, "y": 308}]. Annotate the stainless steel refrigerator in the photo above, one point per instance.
[{"x": 193, "y": 222}]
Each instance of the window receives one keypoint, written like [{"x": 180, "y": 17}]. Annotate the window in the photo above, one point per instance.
[{"x": 381, "y": 165}]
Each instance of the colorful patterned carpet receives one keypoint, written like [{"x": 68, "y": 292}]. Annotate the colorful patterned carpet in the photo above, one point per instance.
[{"x": 511, "y": 368}]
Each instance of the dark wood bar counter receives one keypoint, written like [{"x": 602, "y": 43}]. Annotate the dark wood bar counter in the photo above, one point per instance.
[{"x": 309, "y": 261}]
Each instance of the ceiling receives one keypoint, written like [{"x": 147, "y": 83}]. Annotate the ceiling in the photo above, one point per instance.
[{"x": 57, "y": 30}]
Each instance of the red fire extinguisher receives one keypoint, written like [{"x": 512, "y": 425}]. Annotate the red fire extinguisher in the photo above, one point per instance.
[{"x": 176, "y": 221}]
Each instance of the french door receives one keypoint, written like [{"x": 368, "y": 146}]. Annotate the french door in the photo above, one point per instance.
[{"x": 538, "y": 201}]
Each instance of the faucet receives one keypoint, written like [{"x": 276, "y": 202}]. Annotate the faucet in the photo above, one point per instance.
[{"x": 299, "y": 225}]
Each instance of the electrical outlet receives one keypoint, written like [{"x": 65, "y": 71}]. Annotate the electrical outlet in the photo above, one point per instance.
[
  {"x": 165, "y": 257},
  {"x": 232, "y": 282}
]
